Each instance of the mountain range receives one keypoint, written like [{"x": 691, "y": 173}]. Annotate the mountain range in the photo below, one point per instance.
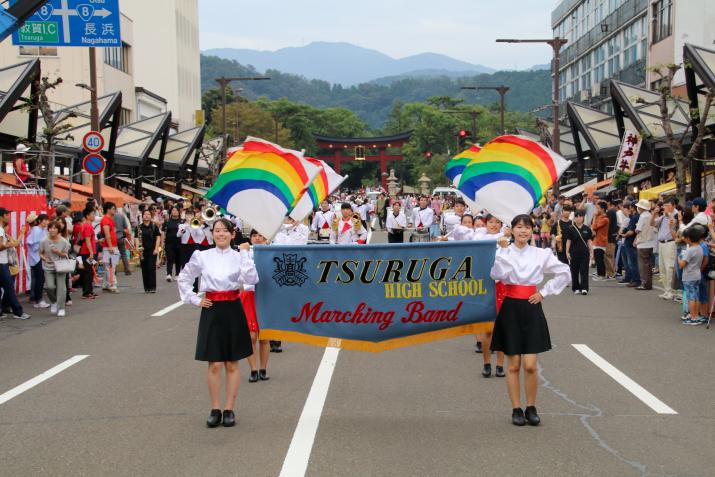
[{"x": 348, "y": 64}]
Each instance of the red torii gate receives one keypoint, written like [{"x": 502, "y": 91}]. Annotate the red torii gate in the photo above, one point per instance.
[{"x": 338, "y": 150}]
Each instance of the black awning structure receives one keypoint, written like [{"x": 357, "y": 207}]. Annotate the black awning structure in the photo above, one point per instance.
[
  {"x": 18, "y": 102},
  {"x": 208, "y": 157},
  {"x": 699, "y": 74},
  {"x": 596, "y": 132},
  {"x": 180, "y": 148},
  {"x": 78, "y": 117},
  {"x": 139, "y": 141}
]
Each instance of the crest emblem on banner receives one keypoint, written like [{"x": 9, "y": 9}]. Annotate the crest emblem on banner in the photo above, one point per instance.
[{"x": 290, "y": 270}]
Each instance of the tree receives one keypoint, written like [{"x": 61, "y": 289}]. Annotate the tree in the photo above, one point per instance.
[
  {"x": 55, "y": 129},
  {"x": 666, "y": 102}
]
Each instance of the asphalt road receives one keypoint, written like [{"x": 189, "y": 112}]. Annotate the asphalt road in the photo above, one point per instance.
[{"x": 137, "y": 404}]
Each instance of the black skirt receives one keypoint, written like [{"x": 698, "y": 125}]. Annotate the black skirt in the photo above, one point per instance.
[
  {"x": 520, "y": 328},
  {"x": 223, "y": 333}
]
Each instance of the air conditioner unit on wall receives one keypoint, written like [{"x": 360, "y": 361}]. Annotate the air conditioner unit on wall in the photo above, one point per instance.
[
  {"x": 596, "y": 91},
  {"x": 584, "y": 95}
]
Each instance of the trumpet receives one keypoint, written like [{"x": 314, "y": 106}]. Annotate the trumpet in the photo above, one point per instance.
[
  {"x": 211, "y": 214},
  {"x": 196, "y": 223},
  {"x": 357, "y": 222}
]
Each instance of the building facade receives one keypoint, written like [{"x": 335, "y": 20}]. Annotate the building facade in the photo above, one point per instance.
[
  {"x": 607, "y": 39},
  {"x": 168, "y": 60}
]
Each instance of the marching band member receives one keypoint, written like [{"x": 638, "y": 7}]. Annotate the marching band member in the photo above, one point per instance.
[
  {"x": 347, "y": 229},
  {"x": 223, "y": 336},
  {"x": 493, "y": 231},
  {"x": 422, "y": 219},
  {"x": 450, "y": 221},
  {"x": 396, "y": 224},
  {"x": 463, "y": 231},
  {"x": 520, "y": 330},
  {"x": 292, "y": 233},
  {"x": 322, "y": 220},
  {"x": 187, "y": 244},
  {"x": 364, "y": 210},
  {"x": 248, "y": 300}
]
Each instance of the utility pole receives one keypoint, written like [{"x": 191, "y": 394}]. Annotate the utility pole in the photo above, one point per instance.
[
  {"x": 238, "y": 91},
  {"x": 223, "y": 82},
  {"x": 556, "y": 43},
  {"x": 502, "y": 90},
  {"x": 97, "y": 179}
]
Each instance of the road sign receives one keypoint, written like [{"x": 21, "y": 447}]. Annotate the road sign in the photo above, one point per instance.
[
  {"x": 72, "y": 23},
  {"x": 93, "y": 141},
  {"x": 94, "y": 164}
]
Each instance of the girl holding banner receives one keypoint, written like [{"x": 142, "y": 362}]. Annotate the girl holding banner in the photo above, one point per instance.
[
  {"x": 520, "y": 330},
  {"x": 223, "y": 337},
  {"x": 248, "y": 300}
]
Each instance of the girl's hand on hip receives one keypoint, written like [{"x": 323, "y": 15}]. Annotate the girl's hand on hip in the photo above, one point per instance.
[
  {"x": 206, "y": 303},
  {"x": 536, "y": 298}
]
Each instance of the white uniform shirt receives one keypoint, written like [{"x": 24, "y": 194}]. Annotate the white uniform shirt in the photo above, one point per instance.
[
  {"x": 461, "y": 233},
  {"x": 450, "y": 222},
  {"x": 321, "y": 219},
  {"x": 184, "y": 233},
  {"x": 425, "y": 217},
  {"x": 346, "y": 233},
  {"x": 363, "y": 210},
  {"x": 527, "y": 266},
  {"x": 219, "y": 270},
  {"x": 292, "y": 235},
  {"x": 396, "y": 223}
]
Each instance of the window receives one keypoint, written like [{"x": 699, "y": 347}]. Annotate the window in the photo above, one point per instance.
[
  {"x": 631, "y": 39},
  {"x": 118, "y": 57},
  {"x": 662, "y": 18},
  {"x": 599, "y": 63},
  {"x": 38, "y": 51},
  {"x": 614, "y": 56}
]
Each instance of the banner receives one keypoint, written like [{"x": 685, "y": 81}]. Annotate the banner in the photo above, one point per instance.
[
  {"x": 627, "y": 157},
  {"x": 374, "y": 297}
]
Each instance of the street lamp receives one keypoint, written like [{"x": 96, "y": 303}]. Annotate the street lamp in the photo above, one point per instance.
[
  {"x": 502, "y": 92},
  {"x": 223, "y": 82},
  {"x": 556, "y": 43}
]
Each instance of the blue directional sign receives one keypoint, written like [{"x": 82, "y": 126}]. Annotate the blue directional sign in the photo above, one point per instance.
[{"x": 72, "y": 23}]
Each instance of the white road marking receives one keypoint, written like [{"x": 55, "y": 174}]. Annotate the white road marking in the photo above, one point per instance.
[
  {"x": 16, "y": 391},
  {"x": 296, "y": 461},
  {"x": 168, "y": 309},
  {"x": 636, "y": 389}
]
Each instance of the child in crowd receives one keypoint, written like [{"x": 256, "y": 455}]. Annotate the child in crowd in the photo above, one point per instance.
[{"x": 691, "y": 264}]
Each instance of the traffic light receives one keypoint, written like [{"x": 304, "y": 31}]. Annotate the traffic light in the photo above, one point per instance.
[
  {"x": 463, "y": 135},
  {"x": 428, "y": 154}
]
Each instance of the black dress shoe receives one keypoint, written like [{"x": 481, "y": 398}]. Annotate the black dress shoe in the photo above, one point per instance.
[
  {"x": 254, "y": 377},
  {"x": 263, "y": 375},
  {"x": 278, "y": 348},
  {"x": 478, "y": 347},
  {"x": 500, "y": 372},
  {"x": 517, "y": 417},
  {"x": 214, "y": 418},
  {"x": 229, "y": 418},
  {"x": 531, "y": 416},
  {"x": 487, "y": 370}
]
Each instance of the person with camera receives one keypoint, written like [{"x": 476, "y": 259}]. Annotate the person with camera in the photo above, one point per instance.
[{"x": 665, "y": 220}]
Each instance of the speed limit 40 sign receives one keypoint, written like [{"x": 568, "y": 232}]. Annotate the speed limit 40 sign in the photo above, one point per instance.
[{"x": 93, "y": 142}]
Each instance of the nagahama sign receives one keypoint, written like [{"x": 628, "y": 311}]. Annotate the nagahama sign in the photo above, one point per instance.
[
  {"x": 72, "y": 23},
  {"x": 374, "y": 297}
]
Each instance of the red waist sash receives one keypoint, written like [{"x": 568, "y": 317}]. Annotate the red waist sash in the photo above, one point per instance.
[
  {"x": 520, "y": 292},
  {"x": 229, "y": 295}
]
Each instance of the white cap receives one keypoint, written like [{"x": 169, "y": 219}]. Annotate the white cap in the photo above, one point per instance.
[{"x": 21, "y": 149}]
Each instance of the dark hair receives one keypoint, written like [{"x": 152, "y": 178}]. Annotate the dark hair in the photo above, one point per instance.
[
  {"x": 254, "y": 232},
  {"x": 56, "y": 224},
  {"x": 87, "y": 212},
  {"x": 602, "y": 204},
  {"x": 673, "y": 200},
  {"x": 108, "y": 206},
  {"x": 42, "y": 217},
  {"x": 230, "y": 226},
  {"x": 460, "y": 201},
  {"x": 523, "y": 219},
  {"x": 579, "y": 213},
  {"x": 488, "y": 217},
  {"x": 178, "y": 209},
  {"x": 346, "y": 205},
  {"x": 567, "y": 208},
  {"x": 467, "y": 215}
]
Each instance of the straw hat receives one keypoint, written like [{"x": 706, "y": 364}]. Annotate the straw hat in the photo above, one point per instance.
[
  {"x": 31, "y": 218},
  {"x": 643, "y": 204}
]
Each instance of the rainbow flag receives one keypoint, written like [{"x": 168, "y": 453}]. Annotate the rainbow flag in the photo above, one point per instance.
[
  {"x": 456, "y": 165},
  {"x": 261, "y": 183},
  {"x": 322, "y": 186},
  {"x": 510, "y": 175}
]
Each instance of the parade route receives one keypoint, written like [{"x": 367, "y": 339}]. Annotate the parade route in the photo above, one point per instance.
[{"x": 136, "y": 403}]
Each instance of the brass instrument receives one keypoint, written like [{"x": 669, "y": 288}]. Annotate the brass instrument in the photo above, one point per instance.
[
  {"x": 196, "y": 223},
  {"x": 211, "y": 214},
  {"x": 559, "y": 239},
  {"x": 357, "y": 222},
  {"x": 336, "y": 222}
]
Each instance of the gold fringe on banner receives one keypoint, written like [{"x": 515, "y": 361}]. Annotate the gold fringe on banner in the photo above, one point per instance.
[{"x": 358, "y": 345}]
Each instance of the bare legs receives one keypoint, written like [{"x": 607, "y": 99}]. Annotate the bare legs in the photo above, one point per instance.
[
  {"x": 531, "y": 379},
  {"x": 263, "y": 349},
  {"x": 214, "y": 382},
  {"x": 486, "y": 339}
]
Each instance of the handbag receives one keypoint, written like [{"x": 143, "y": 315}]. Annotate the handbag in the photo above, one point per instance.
[{"x": 65, "y": 265}]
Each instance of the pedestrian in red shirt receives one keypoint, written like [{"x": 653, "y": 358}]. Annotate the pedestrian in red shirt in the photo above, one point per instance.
[
  {"x": 88, "y": 252},
  {"x": 110, "y": 248}
]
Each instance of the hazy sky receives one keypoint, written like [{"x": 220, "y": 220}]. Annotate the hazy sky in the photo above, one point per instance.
[{"x": 463, "y": 29}]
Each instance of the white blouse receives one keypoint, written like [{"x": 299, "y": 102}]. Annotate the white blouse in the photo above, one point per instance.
[
  {"x": 460, "y": 233},
  {"x": 219, "y": 270},
  {"x": 395, "y": 223},
  {"x": 481, "y": 233},
  {"x": 527, "y": 266},
  {"x": 296, "y": 234}
]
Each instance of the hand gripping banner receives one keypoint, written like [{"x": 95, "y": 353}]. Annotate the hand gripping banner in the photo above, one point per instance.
[{"x": 374, "y": 297}]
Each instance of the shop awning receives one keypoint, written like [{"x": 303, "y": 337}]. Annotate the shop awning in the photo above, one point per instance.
[
  {"x": 151, "y": 188},
  {"x": 181, "y": 148},
  {"x": 655, "y": 192},
  {"x": 579, "y": 189},
  {"x": 17, "y": 90},
  {"x": 137, "y": 141},
  {"x": 700, "y": 76},
  {"x": 108, "y": 193},
  {"x": 187, "y": 188},
  {"x": 639, "y": 176},
  {"x": 595, "y": 131},
  {"x": 78, "y": 202}
]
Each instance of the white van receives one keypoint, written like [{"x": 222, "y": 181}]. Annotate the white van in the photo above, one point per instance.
[{"x": 444, "y": 192}]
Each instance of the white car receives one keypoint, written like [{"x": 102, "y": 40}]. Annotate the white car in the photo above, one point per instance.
[{"x": 444, "y": 192}]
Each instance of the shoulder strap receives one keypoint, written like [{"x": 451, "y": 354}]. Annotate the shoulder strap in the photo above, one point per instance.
[{"x": 579, "y": 234}]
